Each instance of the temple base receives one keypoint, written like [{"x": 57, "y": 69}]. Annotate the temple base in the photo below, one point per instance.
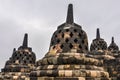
[{"x": 68, "y": 78}]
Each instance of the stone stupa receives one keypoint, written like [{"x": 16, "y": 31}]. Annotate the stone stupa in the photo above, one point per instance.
[
  {"x": 113, "y": 46},
  {"x": 68, "y": 56},
  {"x": 20, "y": 64},
  {"x": 98, "y": 43}
]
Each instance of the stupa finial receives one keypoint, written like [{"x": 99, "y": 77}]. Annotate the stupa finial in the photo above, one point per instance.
[
  {"x": 25, "y": 41},
  {"x": 112, "y": 39},
  {"x": 70, "y": 18},
  {"x": 98, "y": 34}
]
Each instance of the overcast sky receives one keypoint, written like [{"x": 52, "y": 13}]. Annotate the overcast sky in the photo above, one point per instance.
[{"x": 40, "y": 18}]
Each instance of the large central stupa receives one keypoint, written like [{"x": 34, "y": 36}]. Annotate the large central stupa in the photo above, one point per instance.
[{"x": 68, "y": 56}]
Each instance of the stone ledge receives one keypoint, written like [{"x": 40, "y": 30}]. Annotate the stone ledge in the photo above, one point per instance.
[
  {"x": 70, "y": 73},
  {"x": 68, "y": 78}
]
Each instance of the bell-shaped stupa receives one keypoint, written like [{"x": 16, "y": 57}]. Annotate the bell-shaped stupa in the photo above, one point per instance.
[
  {"x": 98, "y": 43},
  {"x": 20, "y": 64},
  {"x": 113, "y": 46},
  {"x": 67, "y": 58},
  {"x": 69, "y": 36}
]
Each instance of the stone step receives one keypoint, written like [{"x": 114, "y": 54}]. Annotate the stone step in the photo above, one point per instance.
[
  {"x": 69, "y": 73},
  {"x": 69, "y": 67},
  {"x": 68, "y": 78}
]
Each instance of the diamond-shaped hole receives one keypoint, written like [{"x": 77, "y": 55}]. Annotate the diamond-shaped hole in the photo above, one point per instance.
[
  {"x": 13, "y": 61},
  {"x": 27, "y": 58},
  {"x": 71, "y": 34},
  {"x": 83, "y": 41},
  {"x": 17, "y": 57},
  {"x": 52, "y": 42},
  {"x": 61, "y": 46},
  {"x": 55, "y": 36},
  {"x": 75, "y": 30},
  {"x": 81, "y": 31},
  {"x": 79, "y": 34},
  {"x": 25, "y": 62},
  {"x": 25, "y": 54},
  {"x": 20, "y": 55},
  {"x": 86, "y": 48},
  {"x": 30, "y": 61},
  {"x": 59, "y": 31},
  {"x": 67, "y": 40},
  {"x": 58, "y": 40},
  {"x": 80, "y": 46},
  {"x": 30, "y": 55},
  {"x": 62, "y": 35},
  {"x": 71, "y": 46},
  {"x": 67, "y": 30},
  {"x": 53, "y": 47},
  {"x": 75, "y": 40}
]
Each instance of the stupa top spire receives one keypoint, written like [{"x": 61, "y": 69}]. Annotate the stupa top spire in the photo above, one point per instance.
[
  {"x": 25, "y": 41},
  {"x": 98, "y": 34},
  {"x": 112, "y": 39},
  {"x": 70, "y": 18}
]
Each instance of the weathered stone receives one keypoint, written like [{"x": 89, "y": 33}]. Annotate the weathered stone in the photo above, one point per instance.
[
  {"x": 22, "y": 62},
  {"x": 68, "y": 57}
]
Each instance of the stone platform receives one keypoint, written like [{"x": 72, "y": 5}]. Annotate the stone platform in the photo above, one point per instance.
[{"x": 68, "y": 78}]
